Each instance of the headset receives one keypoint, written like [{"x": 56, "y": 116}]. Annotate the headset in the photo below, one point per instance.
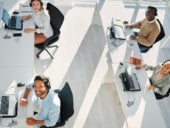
[
  {"x": 44, "y": 79},
  {"x": 155, "y": 10},
  {"x": 165, "y": 62},
  {"x": 41, "y": 3}
]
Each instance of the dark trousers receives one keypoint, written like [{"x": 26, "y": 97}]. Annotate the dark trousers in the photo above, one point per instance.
[
  {"x": 158, "y": 96},
  {"x": 47, "y": 127},
  {"x": 142, "y": 48}
]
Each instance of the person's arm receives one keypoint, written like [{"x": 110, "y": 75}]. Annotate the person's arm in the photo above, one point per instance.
[
  {"x": 31, "y": 121},
  {"x": 53, "y": 116},
  {"x": 51, "y": 120},
  {"x": 24, "y": 99},
  {"x": 138, "y": 24},
  {"x": 23, "y": 18}
]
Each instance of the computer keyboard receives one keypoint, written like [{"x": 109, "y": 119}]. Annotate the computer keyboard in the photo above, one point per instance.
[
  {"x": 135, "y": 81},
  {"x": 4, "y": 105},
  {"x": 13, "y": 21},
  {"x": 129, "y": 81},
  {"x": 119, "y": 32}
]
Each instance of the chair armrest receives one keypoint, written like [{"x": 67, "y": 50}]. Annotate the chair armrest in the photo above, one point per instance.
[
  {"x": 57, "y": 90},
  {"x": 51, "y": 39}
]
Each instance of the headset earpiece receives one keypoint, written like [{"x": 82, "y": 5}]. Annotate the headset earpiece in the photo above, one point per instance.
[
  {"x": 44, "y": 79},
  {"x": 47, "y": 84}
]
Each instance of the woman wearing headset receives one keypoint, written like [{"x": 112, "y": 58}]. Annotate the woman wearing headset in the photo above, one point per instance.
[
  {"x": 41, "y": 19},
  {"x": 160, "y": 79}
]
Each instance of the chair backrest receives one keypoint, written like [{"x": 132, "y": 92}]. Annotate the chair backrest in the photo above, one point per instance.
[
  {"x": 67, "y": 103},
  {"x": 56, "y": 18},
  {"x": 161, "y": 34}
]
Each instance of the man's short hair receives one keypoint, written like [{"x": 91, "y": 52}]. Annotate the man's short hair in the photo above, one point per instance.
[
  {"x": 153, "y": 8},
  {"x": 44, "y": 79}
]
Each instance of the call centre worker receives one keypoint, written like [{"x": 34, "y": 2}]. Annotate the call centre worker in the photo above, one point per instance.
[
  {"x": 160, "y": 78},
  {"x": 46, "y": 103},
  {"x": 41, "y": 20},
  {"x": 149, "y": 29}
]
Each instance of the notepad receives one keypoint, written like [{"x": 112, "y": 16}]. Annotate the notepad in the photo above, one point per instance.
[{"x": 135, "y": 61}]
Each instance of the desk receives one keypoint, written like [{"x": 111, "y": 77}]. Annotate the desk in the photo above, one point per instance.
[
  {"x": 17, "y": 61},
  {"x": 145, "y": 112},
  {"x": 17, "y": 56},
  {"x": 20, "y": 119}
]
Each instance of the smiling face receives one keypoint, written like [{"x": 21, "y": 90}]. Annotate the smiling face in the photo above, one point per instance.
[
  {"x": 36, "y": 5},
  {"x": 40, "y": 89},
  {"x": 165, "y": 69}
]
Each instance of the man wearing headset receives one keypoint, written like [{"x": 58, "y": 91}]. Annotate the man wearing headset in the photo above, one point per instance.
[
  {"x": 149, "y": 29},
  {"x": 160, "y": 78},
  {"x": 46, "y": 102}
]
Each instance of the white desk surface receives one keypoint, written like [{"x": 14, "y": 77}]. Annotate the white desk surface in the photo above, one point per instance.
[
  {"x": 16, "y": 51},
  {"x": 145, "y": 112},
  {"x": 22, "y": 112},
  {"x": 17, "y": 56},
  {"x": 17, "y": 61}
]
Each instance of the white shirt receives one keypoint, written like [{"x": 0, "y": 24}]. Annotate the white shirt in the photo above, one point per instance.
[{"x": 42, "y": 21}]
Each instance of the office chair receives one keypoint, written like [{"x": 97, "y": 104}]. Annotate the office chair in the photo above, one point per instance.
[
  {"x": 67, "y": 105},
  {"x": 161, "y": 35},
  {"x": 56, "y": 21}
]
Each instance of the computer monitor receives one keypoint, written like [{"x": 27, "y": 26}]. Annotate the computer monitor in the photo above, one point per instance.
[
  {"x": 1, "y": 8},
  {"x": 5, "y": 17}
]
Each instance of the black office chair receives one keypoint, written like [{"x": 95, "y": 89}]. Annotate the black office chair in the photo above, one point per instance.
[
  {"x": 67, "y": 105},
  {"x": 161, "y": 35},
  {"x": 56, "y": 21}
]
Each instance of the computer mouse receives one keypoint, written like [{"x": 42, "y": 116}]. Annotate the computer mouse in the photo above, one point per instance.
[
  {"x": 15, "y": 12},
  {"x": 20, "y": 84},
  {"x": 125, "y": 22}
]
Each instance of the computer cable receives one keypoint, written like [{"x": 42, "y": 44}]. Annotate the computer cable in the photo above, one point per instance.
[
  {"x": 6, "y": 36},
  {"x": 10, "y": 124},
  {"x": 131, "y": 101}
]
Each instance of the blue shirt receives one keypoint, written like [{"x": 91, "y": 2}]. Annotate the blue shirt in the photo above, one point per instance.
[{"x": 49, "y": 110}]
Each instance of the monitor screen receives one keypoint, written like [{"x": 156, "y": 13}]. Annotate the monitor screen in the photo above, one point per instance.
[
  {"x": 1, "y": 8},
  {"x": 5, "y": 17}
]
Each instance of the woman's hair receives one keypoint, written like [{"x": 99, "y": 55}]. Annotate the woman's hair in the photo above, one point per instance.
[
  {"x": 166, "y": 61},
  {"x": 41, "y": 3}
]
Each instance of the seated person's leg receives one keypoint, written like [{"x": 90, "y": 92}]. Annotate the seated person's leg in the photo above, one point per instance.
[
  {"x": 39, "y": 38},
  {"x": 158, "y": 96},
  {"x": 141, "y": 47},
  {"x": 47, "y": 127}
]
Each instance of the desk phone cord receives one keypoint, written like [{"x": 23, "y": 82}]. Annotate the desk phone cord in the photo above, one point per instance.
[
  {"x": 6, "y": 36},
  {"x": 131, "y": 102}
]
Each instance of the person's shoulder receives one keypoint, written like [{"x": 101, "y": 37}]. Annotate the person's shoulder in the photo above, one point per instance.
[{"x": 45, "y": 12}]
